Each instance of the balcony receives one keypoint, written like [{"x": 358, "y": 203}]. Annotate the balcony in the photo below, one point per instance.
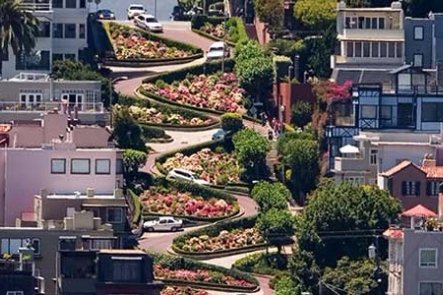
[
  {"x": 78, "y": 285},
  {"x": 340, "y": 59},
  {"x": 11, "y": 265},
  {"x": 14, "y": 106},
  {"x": 351, "y": 164},
  {"x": 372, "y": 35},
  {"x": 37, "y": 5}
]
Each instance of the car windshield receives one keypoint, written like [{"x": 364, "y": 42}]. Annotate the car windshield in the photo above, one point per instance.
[
  {"x": 104, "y": 11},
  {"x": 151, "y": 20},
  {"x": 136, "y": 8},
  {"x": 216, "y": 49}
]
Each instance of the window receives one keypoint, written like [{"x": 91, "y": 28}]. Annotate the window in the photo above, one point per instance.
[
  {"x": 69, "y": 56},
  {"x": 58, "y": 166},
  {"x": 386, "y": 112},
  {"x": 410, "y": 188},
  {"x": 349, "y": 49},
  {"x": 367, "y": 23},
  {"x": 375, "y": 46},
  {"x": 354, "y": 179},
  {"x": 357, "y": 49},
  {"x": 44, "y": 29},
  {"x": 80, "y": 166},
  {"x": 347, "y": 23},
  {"x": 36, "y": 60},
  {"x": 373, "y": 157},
  {"x": 418, "y": 33},
  {"x": 431, "y": 288},
  {"x": 432, "y": 112},
  {"x": 82, "y": 4},
  {"x": 368, "y": 112},
  {"x": 14, "y": 293},
  {"x": 432, "y": 188},
  {"x": 383, "y": 49},
  {"x": 70, "y": 31},
  {"x": 353, "y": 22},
  {"x": 102, "y": 166},
  {"x": 374, "y": 23},
  {"x": 126, "y": 269},
  {"x": 23, "y": 98},
  {"x": 428, "y": 258},
  {"x": 81, "y": 31},
  {"x": 71, "y": 3},
  {"x": 399, "y": 48},
  {"x": 119, "y": 166},
  {"x": 361, "y": 22},
  {"x": 57, "y": 56},
  {"x": 11, "y": 246},
  {"x": 418, "y": 60},
  {"x": 97, "y": 244},
  {"x": 57, "y": 3},
  {"x": 114, "y": 215},
  {"x": 391, "y": 49},
  {"x": 57, "y": 30},
  {"x": 381, "y": 23},
  {"x": 366, "y": 49}
]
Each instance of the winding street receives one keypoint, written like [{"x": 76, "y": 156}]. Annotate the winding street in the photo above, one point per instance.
[{"x": 160, "y": 242}]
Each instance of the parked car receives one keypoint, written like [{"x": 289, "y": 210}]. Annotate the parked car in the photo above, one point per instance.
[
  {"x": 134, "y": 10},
  {"x": 148, "y": 22},
  {"x": 166, "y": 223},
  {"x": 217, "y": 50},
  {"x": 182, "y": 174},
  {"x": 105, "y": 14},
  {"x": 220, "y": 134}
]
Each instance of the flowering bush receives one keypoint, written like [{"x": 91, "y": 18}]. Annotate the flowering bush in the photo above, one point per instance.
[
  {"x": 172, "y": 202},
  {"x": 198, "y": 275},
  {"x": 218, "y": 92},
  {"x": 153, "y": 115},
  {"x": 212, "y": 166},
  {"x": 173, "y": 290},
  {"x": 226, "y": 240},
  {"x": 129, "y": 43},
  {"x": 216, "y": 31}
]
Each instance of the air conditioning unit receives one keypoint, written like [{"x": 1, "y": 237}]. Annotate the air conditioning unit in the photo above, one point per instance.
[{"x": 67, "y": 243}]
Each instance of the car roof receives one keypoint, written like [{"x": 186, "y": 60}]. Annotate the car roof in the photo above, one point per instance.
[
  {"x": 165, "y": 217},
  {"x": 136, "y": 5},
  {"x": 182, "y": 170},
  {"x": 147, "y": 15},
  {"x": 218, "y": 44}
]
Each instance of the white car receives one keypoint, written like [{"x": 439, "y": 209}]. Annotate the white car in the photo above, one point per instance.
[
  {"x": 148, "y": 22},
  {"x": 166, "y": 223},
  {"x": 217, "y": 50},
  {"x": 134, "y": 10},
  {"x": 220, "y": 134},
  {"x": 182, "y": 174}
]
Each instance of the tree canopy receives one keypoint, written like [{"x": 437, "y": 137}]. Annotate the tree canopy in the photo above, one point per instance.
[
  {"x": 232, "y": 122},
  {"x": 270, "y": 195},
  {"x": 271, "y": 12},
  {"x": 132, "y": 161},
  {"x": 277, "y": 226},
  {"x": 127, "y": 132},
  {"x": 318, "y": 14}
]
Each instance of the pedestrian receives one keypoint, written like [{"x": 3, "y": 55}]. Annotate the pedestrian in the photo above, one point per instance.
[{"x": 273, "y": 123}]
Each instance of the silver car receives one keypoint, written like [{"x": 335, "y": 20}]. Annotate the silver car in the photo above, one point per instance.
[{"x": 166, "y": 223}]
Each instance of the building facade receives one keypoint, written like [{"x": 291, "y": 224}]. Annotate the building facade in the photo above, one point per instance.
[{"x": 63, "y": 35}]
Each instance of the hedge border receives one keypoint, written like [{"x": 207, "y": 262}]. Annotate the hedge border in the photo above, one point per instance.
[
  {"x": 168, "y": 260},
  {"x": 198, "y": 190},
  {"x": 212, "y": 286},
  {"x": 209, "y": 36},
  {"x": 243, "y": 35},
  {"x": 196, "y": 52},
  {"x": 220, "y": 253}
]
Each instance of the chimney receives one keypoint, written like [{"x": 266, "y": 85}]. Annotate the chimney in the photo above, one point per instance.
[
  {"x": 90, "y": 192},
  {"x": 429, "y": 161}
]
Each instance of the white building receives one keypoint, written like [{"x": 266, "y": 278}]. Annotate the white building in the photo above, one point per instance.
[{"x": 63, "y": 35}]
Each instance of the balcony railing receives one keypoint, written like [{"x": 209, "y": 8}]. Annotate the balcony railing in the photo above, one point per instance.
[
  {"x": 37, "y": 5},
  {"x": 14, "y": 265},
  {"x": 351, "y": 164},
  {"x": 14, "y": 106}
]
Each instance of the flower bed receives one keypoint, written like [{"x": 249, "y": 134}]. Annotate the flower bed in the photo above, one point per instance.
[
  {"x": 220, "y": 92},
  {"x": 179, "y": 200},
  {"x": 150, "y": 115},
  {"x": 174, "y": 290},
  {"x": 130, "y": 43},
  {"x": 235, "y": 30},
  {"x": 216, "y": 167},
  {"x": 179, "y": 271}
]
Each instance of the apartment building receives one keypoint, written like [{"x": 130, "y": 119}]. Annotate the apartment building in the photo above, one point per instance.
[
  {"x": 371, "y": 43},
  {"x": 105, "y": 271},
  {"x": 63, "y": 35},
  {"x": 57, "y": 155},
  {"x": 86, "y": 230},
  {"x": 28, "y": 96}
]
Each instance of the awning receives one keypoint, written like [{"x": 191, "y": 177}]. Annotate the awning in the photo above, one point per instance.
[
  {"x": 419, "y": 211},
  {"x": 349, "y": 149}
]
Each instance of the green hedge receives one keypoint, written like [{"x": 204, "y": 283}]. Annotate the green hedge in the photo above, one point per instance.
[
  {"x": 175, "y": 262},
  {"x": 137, "y": 207},
  {"x": 197, "y": 21},
  {"x": 195, "y": 51},
  {"x": 149, "y": 132},
  {"x": 213, "y": 231},
  {"x": 281, "y": 66},
  {"x": 197, "y": 190},
  {"x": 236, "y": 31}
]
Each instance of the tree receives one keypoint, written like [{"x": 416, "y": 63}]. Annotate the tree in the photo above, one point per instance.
[
  {"x": 18, "y": 29},
  {"x": 301, "y": 113},
  {"x": 270, "y": 195},
  {"x": 421, "y": 8},
  {"x": 271, "y": 12},
  {"x": 127, "y": 132},
  {"x": 344, "y": 207},
  {"x": 286, "y": 47},
  {"x": 251, "y": 149},
  {"x": 304, "y": 270},
  {"x": 254, "y": 69},
  {"x": 301, "y": 154},
  {"x": 318, "y": 14},
  {"x": 354, "y": 277},
  {"x": 132, "y": 161},
  {"x": 285, "y": 286},
  {"x": 276, "y": 226},
  {"x": 76, "y": 70},
  {"x": 232, "y": 122}
]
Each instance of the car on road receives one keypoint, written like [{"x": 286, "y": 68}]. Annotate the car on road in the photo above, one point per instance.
[
  {"x": 218, "y": 50},
  {"x": 148, "y": 22},
  {"x": 220, "y": 134},
  {"x": 134, "y": 10},
  {"x": 105, "y": 14},
  {"x": 183, "y": 174},
  {"x": 165, "y": 223}
]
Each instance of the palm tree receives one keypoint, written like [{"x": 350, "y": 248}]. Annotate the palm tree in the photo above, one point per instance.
[{"x": 18, "y": 29}]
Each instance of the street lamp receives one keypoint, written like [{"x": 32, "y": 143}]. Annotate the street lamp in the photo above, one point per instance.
[
  {"x": 111, "y": 82},
  {"x": 373, "y": 254},
  {"x": 372, "y": 251}
]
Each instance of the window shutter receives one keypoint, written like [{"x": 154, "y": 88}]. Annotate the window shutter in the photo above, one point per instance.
[
  {"x": 403, "y": 188},
  {"x": 417, "y": 188}
]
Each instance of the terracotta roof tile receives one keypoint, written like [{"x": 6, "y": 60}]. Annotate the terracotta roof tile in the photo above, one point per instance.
[
  {"x": 397, "y": 168},
  {"x": 433, "y": 172},
  {"x": 394, "y": 233},
  {"x": 4, "y": 128}
]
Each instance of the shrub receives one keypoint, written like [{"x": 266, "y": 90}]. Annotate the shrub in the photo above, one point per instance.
[
  {"x": 301, "y": 113},
  {"x": 232, "y": 122},
  {"x": 262, "y": 263},
  {"x": 197, "y": 21},
  {"x": 271, "y": 195},
  {"x": 281, "y": 66},
  {"x": 153, "y": 132}
]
